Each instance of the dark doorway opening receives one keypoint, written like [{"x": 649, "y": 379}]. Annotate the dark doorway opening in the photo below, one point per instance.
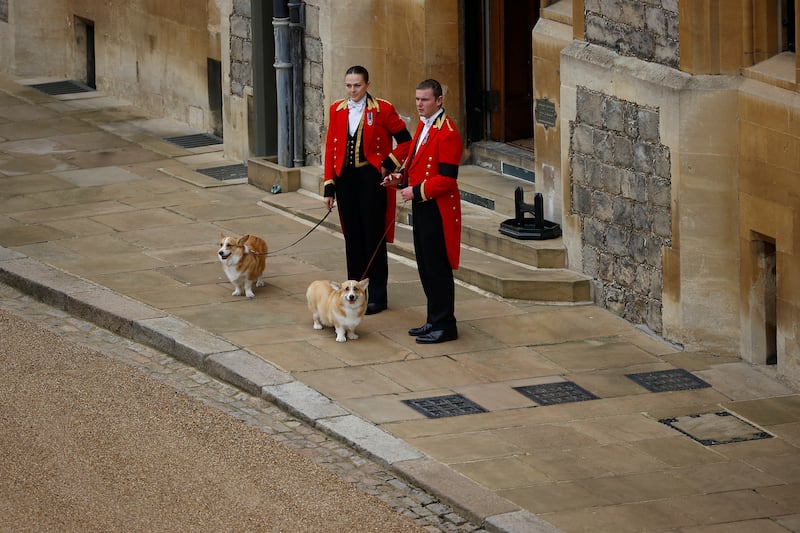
[
  {"x": 263, "y": 106},
  {"x": 85, "y": 51},
  {"x": 215, "y": 95},
  {"x": 788, "y": 23},
  {"x": 764, "y": 299},
  {"x": 499, "y": 69}
]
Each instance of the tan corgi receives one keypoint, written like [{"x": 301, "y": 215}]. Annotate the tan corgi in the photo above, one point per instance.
[
  {"x": 243, "y": 260},
  {"x": 341, "y": 305}
]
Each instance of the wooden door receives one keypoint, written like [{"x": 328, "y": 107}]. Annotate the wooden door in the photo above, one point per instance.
[{"x": 510, "y": 96}]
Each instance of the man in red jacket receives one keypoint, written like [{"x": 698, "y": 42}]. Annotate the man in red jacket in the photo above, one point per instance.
[
  {"x": 429, "y": 183},
  {"x": 359, "y": 153}
]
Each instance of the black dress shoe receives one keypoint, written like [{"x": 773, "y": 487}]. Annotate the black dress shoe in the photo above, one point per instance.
[
  {"x": 436, "y": 336},
  {"x": 374, "y": 308},
  {"x": 421, "y": 330}
]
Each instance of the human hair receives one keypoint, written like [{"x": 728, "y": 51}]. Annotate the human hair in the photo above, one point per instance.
[
  {"x": 432, "y": 84},
  {"x": 358, "y": 69}
]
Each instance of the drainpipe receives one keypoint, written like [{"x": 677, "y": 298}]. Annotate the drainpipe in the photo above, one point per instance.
[
  {"x": 297, "y": 23},
  {"x": 283, "y": 80}
]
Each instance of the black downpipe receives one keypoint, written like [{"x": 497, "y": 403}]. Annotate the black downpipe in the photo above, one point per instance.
[{"x": 283, "y": 80}]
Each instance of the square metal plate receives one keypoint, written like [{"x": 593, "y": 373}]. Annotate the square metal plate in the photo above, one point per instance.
[
  {"x": 194, "y": 140},
  {"x": 54, "y": 88},
  {"x": 444, "y": 406},
  {"x": 668, "y": 380},
  {"x": 720, "y": 427},
  {"x": 224, "y": 173},
  {"x": 556, "y": 393}
]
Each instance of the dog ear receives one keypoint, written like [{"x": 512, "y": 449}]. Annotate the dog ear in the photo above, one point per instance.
[
  {"x": 243, "y": 239},
  {"x": 335, "y": 286},
  {"x": 364, "y": 283},
  {"x": 221, "y": 237}
]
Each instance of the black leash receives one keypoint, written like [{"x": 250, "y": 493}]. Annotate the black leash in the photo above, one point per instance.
[{"x": 273, "y": 252}]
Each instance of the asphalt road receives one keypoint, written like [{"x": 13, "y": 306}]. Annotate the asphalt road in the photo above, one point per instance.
[{"x": 88, "y": 443}]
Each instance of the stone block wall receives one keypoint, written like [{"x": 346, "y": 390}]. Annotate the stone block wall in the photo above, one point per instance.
[
  {"x": 241, "y": 71},
  {"x": 647, "y": 29},
  {"x": 621, "y": 191},
  {"x": 241, "y": 47}
]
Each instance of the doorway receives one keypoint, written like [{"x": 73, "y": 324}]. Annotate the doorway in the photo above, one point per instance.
[
  {"x": 499, "y": 69},
  {"x": 763, "y": 300},
  {"x": 85, "y": 51},
  {"x": 214, "y": 74}
]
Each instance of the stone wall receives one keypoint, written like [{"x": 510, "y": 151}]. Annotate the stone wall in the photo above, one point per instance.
[
  {"x": 241, "y": 47},
  {"x": 313, "y": 80},
  {"x": 621, "y": 187},
  {"x": 241, "y": 71},
  {"x": 647, "y": 29},
  {"x": 3, "y": 10}
]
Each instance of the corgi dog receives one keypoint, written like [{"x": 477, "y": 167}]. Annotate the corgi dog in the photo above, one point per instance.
[
  {"x": 243, "y": 260},
  {"x": 341, "y": 305}
]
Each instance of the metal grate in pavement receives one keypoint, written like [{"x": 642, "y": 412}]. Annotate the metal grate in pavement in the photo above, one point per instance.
[
  {"x": 194, "y": 140},
  {"x": 556, "y": 393},
  {"x": 224, "y": 173},
  {"x": 668, "y": 380},
  {"x": 444, "y": 406},
  {"x": 55, "y": 88},
  {"x": 710, "y": 429}
]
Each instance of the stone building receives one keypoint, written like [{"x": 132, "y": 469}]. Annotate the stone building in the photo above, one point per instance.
[
  {"x": 675, "y": 165},
  {"x": 666, "y": 133}
]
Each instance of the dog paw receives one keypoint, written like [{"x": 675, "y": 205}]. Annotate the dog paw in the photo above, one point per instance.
[
  {"x": 260, "y": 283},
  {"x": 341, "y": 339},
  {"x": 352, "y": 336},
  {"x": 237, "y": 292},
  {"x": 317, "y": 325},
  {"x": 250, "y": 294}
]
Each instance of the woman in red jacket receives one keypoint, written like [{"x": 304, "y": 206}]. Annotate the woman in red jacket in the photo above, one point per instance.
[{"x": 359, "y": 153}]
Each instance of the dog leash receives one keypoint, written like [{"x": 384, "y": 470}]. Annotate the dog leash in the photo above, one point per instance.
[
  {"x": 380, "y": 241},
  {"x": 273, "y": 252}
]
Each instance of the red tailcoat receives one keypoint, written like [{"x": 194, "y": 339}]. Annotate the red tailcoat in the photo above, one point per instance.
[
  {"x": 433, "y": 172},
  {"x": 381, "y": 124}
]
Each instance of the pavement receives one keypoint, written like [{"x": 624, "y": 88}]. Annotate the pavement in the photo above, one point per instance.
[{"x": 104, "y": 219}]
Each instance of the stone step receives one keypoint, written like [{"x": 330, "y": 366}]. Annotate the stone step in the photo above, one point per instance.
[
  {"x": 481, "y": 221},
  {"x": 505, "y": 158},
  {"x": 481, "y": 268}
]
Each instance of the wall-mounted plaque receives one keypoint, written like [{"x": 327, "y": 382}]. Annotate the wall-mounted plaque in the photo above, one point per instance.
[{"x": 546, "y": 113}]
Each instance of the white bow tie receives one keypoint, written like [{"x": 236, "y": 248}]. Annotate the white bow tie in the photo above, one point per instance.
[{"x": 355, "y": 106}]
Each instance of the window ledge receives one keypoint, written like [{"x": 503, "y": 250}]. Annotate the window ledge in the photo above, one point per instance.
[{"x": 779, "y": 71}]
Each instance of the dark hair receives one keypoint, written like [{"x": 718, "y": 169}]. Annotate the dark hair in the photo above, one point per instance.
[
  {"x": 358, "y": 69},
  {"x": 431, "y": 84}
]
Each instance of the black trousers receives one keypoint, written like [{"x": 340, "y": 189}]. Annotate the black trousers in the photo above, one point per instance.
[
  {"x": 362, "y": 213},
  {"x": 435, "y": 271}
]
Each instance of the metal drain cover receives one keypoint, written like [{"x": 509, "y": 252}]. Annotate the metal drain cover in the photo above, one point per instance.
[
  {"x": 444, "y": 406},
  {"x": 556, "y": 393},
  {"x": 55, "y": 88},
  {"x": 668, "y": 380},
  {"x": 710, "y": 429},
  {"x": 224, "y": 173},
  {"x": 195, "y": 140}
]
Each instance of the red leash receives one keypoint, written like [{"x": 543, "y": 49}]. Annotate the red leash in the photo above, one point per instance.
[{"x": 383, "y": 237}]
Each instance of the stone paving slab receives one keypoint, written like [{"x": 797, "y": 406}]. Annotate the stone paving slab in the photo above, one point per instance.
[{"x": 575, "y": 465}]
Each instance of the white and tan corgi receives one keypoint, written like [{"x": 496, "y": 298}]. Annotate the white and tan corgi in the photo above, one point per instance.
[
  {"x": 340, "y": 305},
  {"x": 243, "y": 260}
]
